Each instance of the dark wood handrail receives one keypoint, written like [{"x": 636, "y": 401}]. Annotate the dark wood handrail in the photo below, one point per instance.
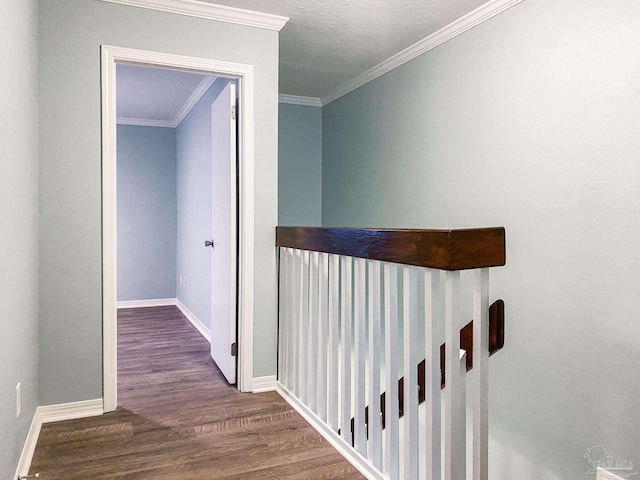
[{"x": 441, "y": 249}]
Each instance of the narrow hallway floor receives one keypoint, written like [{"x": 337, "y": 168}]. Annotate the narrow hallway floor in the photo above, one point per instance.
[{"x": 179, "y": 419}]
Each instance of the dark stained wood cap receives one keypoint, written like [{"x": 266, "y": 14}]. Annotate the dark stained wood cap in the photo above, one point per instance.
[{"x": 442, "y": 249}]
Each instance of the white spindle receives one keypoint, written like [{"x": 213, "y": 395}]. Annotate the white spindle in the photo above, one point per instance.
[
  {"x": 331, "y": 356},
  {"x": 392, "y": 447},
  {"x": 312, "y": 351},
  {"x": 481, "y": 374},
  {"x": 295, "y": 326},
  {"x": 282, "y": 313},
  {"x": 289, "y": 317},
  {"x": 332, "y": 350},
  {"x": 346, "y": 346},
  {"x": 455, "y": 391},
  {"x": 375, "y": 330},
  {"x": 360, "y": 351},
  {"x": 410, "y": 408},
  {"x": 323, "y": 283},
  {"x": 432, "y": 330},
  {"x": 303, "y": 333}
]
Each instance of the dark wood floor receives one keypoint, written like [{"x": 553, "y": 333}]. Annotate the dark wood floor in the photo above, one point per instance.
[{"x": 179, "y": 419}]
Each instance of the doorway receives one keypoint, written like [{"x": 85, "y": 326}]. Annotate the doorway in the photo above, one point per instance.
[{"x": 242, "y": 74}]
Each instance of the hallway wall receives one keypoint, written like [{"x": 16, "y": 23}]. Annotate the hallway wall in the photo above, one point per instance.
[
  {"x": 70, "y": 36},
  {"x": 147, "y": 212},
  {"x": 194, "y": 162},
  {"x": 299, "y": 165},
  {"x": 529, "y": 120},
  {"x": 19, "y": 225}
]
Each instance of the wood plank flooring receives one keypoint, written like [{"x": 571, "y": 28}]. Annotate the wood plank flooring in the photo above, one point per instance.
[{"x": 179, "y": 419}]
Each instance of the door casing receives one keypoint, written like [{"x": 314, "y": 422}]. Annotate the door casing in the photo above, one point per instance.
[{"x": 243, "y": 73}]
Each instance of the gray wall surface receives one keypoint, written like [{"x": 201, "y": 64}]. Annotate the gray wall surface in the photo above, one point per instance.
[
  {"x": 19, "y": 220},
  {"x": 529, "y": 120},
  {"x": 299, "y": 165},
  {"x": 146, "y": 212},
  {"x": 70, "y": 35},
  {"x": 194, "y": 157}
]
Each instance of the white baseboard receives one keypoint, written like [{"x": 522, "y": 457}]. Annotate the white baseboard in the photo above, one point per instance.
[
  {"x": 29, "y": 447},
  {"x": 353, "y": 457},
  {"x": 69, "y": 411},
  {"x": 53, "y": 413},
  {"x": 195, "y": 321},
  {"x": 268, "y": 383},
  {"x": 153, "y": 302}
]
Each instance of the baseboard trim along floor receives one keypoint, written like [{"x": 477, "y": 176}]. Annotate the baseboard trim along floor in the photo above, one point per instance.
[{"x": 53, "y": 413}]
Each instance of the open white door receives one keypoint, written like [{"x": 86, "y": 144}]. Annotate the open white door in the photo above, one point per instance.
[{"x": 224, "y": 234}]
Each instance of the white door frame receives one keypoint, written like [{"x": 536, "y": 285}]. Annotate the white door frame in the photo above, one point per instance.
[{"x": 244, "y": 75}]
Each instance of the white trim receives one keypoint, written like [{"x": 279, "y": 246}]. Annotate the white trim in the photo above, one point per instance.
[
  {"x": 477, "y": 16},
  {"x": 29, "y": 447},
  {"x": 70, "y": 411},
  {"x": 53, "y": 413},
  {"x": 195, "y": 97},
  {"x": 211, "y": 11},
  {"x": 352, "y": 456},
  {"x": 243, "y": 73},
  {"x": 154, "y": 302},
  {"x": 195, "y": 321},
  {"x": 145, "y": 122},
  {"x": 191, "y": 102},
  {"x": 300, "y": 100},
  {"x": 268, "y": 383},
  {"x": 606, "y": 475}
]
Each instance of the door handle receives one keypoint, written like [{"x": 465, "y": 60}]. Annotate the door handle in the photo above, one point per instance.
[{"x": 208, "y": 243}]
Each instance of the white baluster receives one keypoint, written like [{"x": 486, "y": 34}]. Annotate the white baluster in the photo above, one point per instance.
[
  {"x": 455, "y": 388},
  {"x": 312, "y": 351},
  {"x": 392, "y": 428},
  {"x": 375, "y": 340},
  {"x": 332, "y": 350},
  {"x": 346, "y": 346},
  {"x": 323, "y": 284},
  {"x": 303, "y": 332},
  {"x": 481, "y": 374},
  {"x": 410, "y": 408},
  {"x": 360, "y": 350},
  {"x": 282, "y": 315},
  {"x": 295, "y": 321},
  {"x": 433, "y": 328}
]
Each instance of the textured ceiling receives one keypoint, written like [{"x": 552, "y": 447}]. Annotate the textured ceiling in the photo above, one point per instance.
[
  {"x": 152, "y": 93},
  {"x": 327, "y": 43}
]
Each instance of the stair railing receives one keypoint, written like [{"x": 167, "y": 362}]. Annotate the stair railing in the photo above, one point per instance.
[{"x": 370, "y": 314}]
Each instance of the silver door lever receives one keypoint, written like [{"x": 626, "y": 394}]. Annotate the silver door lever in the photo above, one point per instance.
[{"x": 208, "y": 243}]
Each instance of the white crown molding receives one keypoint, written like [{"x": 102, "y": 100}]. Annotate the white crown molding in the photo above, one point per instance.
[
  {"x": 299, "y": 100},
  {"x": 211, "y": 11},
  {"x": 195, "y": 321},
  {"x": 53, "y": 413},
  {"x": 153, "y": 302},
  {"x": 142, "y": 122},
  {"x": 195, "y": 97},
  {"x": 191, "y": 102},
  {"x": 479, "y": 15}
]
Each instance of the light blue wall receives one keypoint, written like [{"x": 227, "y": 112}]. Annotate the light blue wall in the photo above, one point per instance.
[
  {"x": 299, "y": 165},
  {"x": 147, "y": 212},
  {"x": 529, "y": 120},
  {"x": 19, "y": 220},
  {"x": 70, "y": 35},
  {"x": 194, "y": 159}
]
